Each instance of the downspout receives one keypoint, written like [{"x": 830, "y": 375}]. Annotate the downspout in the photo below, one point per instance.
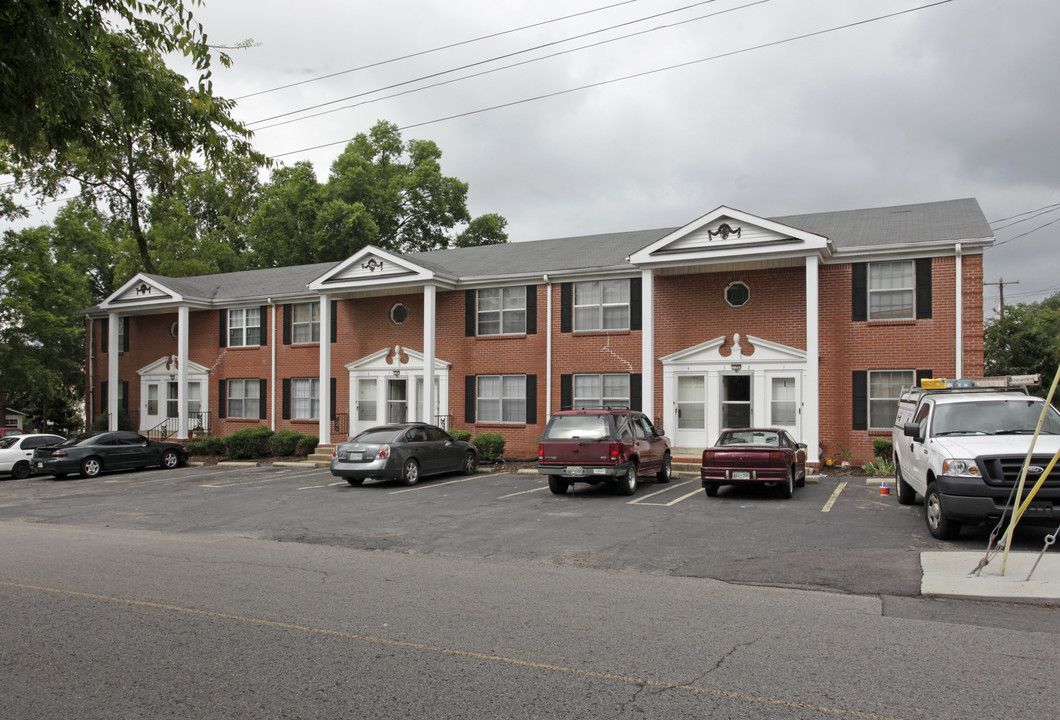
[
  {"x": 959, "y": 311},
  {"x": 272, "y": 379},
  {"x": 91, "y": 373},
  {"x": 548, "y": 347}
]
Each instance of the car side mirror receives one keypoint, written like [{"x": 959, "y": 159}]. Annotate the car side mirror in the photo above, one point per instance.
[
  {"x": 145, "y": 443},
  {"x": 800, "y": 446},
  {"x": 912, "y": 430},
  {"x": 659, "y": 432}
]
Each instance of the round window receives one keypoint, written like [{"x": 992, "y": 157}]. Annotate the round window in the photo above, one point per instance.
[
  {"x": 174, "y": 329},
  {"x": 737, "y": 294},
  {"x": 398, "y": 314}
]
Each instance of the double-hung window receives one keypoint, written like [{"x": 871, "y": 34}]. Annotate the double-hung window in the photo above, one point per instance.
[
  {"x": 603, "y": 390},
  {"x": 892, "y": 290},
  {"x": 885, "y": 387},
  {"x": 244, "y": 327},
  {"x": 601, "y": 305},
  {"x": 305, "y": 326},
  {"x": 501, "y": 399},
  {"x": 305, "y": 398},
  {"x": 244, "y": 399},
  {"x": 502, "y": 311}
]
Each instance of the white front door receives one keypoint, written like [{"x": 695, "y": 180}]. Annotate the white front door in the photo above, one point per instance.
[
  {"x": 397, "y": 400},
  {"x": 691, "y": 411},
  {"x": 736, "y": 406}
]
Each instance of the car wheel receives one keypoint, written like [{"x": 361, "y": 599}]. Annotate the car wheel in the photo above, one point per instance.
[
  {"x": 558, "y": 485},
  {"x": 667, "y": 469},
  {"x": 902, "y": 490},
  {"x": 787, "y": 489},
  {"x": 20, "y": 471},
  {"x": 410, "y": 472},
  {"x": 170, "y": 459},
  {"x": 711, "y": 489},
  {"x": 355, "y": 481},
  {"x": 938, "y": 524},
  {"x": 627, "y": 485},
  {"x": 90, "y": 467},
  {"x": 470, "y": 464}
]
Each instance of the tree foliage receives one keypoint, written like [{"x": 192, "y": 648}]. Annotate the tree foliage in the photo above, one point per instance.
[{"x": 1025, "y": 341}]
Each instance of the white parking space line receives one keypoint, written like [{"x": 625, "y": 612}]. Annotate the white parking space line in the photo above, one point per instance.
[
  {"x": 642, "y": 500},
  {"x": 524, "y": 492},
  {"x": 835, "y": 496},
  {"x": 310, "y": 487},
  {"x": 431, "y": 485}
]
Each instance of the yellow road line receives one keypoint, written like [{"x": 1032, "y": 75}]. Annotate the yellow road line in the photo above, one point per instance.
[
  {"x": 515, "y": 662},
  {"x": 835, "y": 496}
]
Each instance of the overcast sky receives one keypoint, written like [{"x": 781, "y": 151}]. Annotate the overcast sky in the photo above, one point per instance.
[{"x": 958, "y": 99}]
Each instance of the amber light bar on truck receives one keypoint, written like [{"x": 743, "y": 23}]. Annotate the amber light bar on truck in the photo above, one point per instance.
[{"x": 998, "y": 381}]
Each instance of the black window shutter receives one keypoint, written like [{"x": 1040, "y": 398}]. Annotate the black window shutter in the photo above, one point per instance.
[
  {"x": 635, "y": 397},
  {"x": 222, "y": 398},
  {"x": 263, "y": 393},
  {"x": 469, "y": 313},
  {"x": 103, "y": 396},
  {"x": 125, "y": 334},
  {"x": 285, "y": 403},
  {"x": 860, "y": 393},
  {"x": 263, "y": 317},
  {"x": 222, "y": 323},
  {"x": 469, "y": 399},
  {"x": 531, "y": 399},
  {"x": 860, "y": 292},
  {"x": 125, "y": 395},
  {"x": 287, "y": 314},
  {"x": 923, "y": 288},
  {"x": 334, "y": 320},
  {"x": 105, "y": 335},
  {"x": 566, "y": 391},
  {"x": 531, "y": 309},
  {"x": 566, "y": 307},
  {"x": 923, "y": 375},
  {"x": 635, "y": 303},
  {"x": 334, "y": 396}
]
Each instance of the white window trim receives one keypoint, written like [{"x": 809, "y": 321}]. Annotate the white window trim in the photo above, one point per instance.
[
  {"x": 313, "y": 323},
  {"x": 501, "y": 313},
  {"x": 254, "y": 383},
  {"x": 870, "y": 399},
  {"x": 910, "y": 289},
  {"x": 243, "y": 326},
  {"x": 600, "y": 306},
  {"x": 312, "y": 398},
  {"x": 501, "y": 399},
  {"x": 602, "y": 401}
]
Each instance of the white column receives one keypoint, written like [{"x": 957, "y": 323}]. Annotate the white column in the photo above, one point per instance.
[
  {"x": 325, "y": 371},
  {"x": 113, "y": 323},
  {"x": 430, "y": 311},
  {"x": 647, "y": 343},
  {"x": 182, "y": 372},
  {"x": 811, "y": 389}
]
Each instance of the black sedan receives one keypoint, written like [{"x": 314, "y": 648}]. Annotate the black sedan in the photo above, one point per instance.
[
  {"x": 404, "y": 452},
  {"x": 92, "y": 453}
]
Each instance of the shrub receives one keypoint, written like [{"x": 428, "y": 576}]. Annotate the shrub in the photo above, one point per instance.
[
  {"x": 490, "y": 446},
  {"x": 100, "y": 421},
  {"x": 463, "y": 435},
  {"x": 209, "y": 445},
  {"x": 880, "y": 467},
  {"x": 284, "y": 442},
  {"x": 307, "y": 444},
  {"x": 249, "y": 443},
  {"x": 882, "y": 448}
]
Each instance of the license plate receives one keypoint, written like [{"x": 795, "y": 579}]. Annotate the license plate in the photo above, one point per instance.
[
  {"x": 40, "y": 464},
  {"x": 575, "y": 470},
  {"x": 356, "y": 456},
  {"x": 741, "y": 474}
]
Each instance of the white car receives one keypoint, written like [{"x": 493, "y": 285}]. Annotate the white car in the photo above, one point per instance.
[{"x": 16, "y": 452}]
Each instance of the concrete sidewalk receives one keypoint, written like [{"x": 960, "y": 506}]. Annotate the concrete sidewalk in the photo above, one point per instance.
[{"x": 949, "y": 574}]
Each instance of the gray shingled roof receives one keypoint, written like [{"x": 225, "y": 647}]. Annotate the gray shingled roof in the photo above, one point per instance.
[{"x": 937, "y": 222}]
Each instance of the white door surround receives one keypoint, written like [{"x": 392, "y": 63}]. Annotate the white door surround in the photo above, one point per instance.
[
  {"x": 157, "y": 392},
  {"x": 372, "y": 395}
]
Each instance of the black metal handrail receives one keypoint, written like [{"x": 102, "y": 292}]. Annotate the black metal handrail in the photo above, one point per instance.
[{"x": 197, "y": 423}]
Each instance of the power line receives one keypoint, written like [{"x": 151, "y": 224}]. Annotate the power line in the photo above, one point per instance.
[
  {"x": 437, "y": 49},
  {"x": 638, "y": 75},
  {"x": 1025, "y": 212},
  {"x": 1017, "y": 237},
  {"x": 507, "y": 67},
  {"x": 1031, "y": 213}
]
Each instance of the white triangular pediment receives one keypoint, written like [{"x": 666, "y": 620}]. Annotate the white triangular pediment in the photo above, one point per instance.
[
  {"x": 394, "y": 358},
  {"x": 371, "y": 266},
  {"x": 168, "y": 365},
  {"x": 747, "y": 348},
  {"x": 140, "y": 290},
  {"x": 725, "y": 234}
]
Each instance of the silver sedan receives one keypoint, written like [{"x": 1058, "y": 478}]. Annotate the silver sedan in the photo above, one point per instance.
[{"x": 404, "y": 452}]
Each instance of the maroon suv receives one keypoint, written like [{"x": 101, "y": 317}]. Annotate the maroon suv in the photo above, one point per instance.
[{"x": 594, "y": 446}]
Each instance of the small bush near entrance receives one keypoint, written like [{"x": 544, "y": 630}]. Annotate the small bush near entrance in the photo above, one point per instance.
[
  {"x": 490, "y": 446},
  {"x": 284, "y": 442},
  {"x": 209, "y": 445},
  {"x": 249, "y": 443},
  {"x": 463, "y": 435},
  {"x": 882, "y": 448},
  {"x": 307, "y": 444}
]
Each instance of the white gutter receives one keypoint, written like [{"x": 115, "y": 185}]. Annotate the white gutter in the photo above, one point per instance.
[
  {"x": 548, "y": 347},
  {"x": 959, "y": 311},
  {"x": 272, "y": 380}
]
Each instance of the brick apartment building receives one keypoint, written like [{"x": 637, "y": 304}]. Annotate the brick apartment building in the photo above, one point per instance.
[{"x": 809, "y": 322}]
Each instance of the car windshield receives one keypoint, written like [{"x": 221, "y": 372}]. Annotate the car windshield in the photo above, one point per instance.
[
  {"x": 750, "y": 437},
  {"x": 1018, "y": 416},
  {"x": 375, "y": 435},
  {"x": 578, "y": 427},
  {"x": 8, "y": 441}
]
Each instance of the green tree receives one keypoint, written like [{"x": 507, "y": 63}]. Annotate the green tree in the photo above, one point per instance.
[
  {"x": 41, "y": 333},
  {"x": 1025, "y": 341}
]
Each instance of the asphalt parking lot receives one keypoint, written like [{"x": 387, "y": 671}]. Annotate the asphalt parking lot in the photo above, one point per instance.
[{"x": 835, "y": 534}]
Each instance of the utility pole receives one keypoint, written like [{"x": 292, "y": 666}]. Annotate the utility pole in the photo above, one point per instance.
[{"x": 1001, "y": 289}]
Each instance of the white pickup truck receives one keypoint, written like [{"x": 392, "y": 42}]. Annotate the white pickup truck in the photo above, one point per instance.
[{"x": 961, "y": 444}]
